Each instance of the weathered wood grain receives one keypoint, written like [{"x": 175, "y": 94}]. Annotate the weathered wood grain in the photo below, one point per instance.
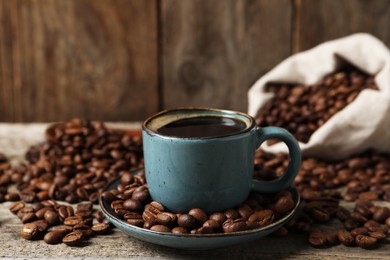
[
  {"x": 65, "y": 58},
  {"x": 213, "y": 51},
  {"x": 126, "y": 59},
  {"x": 322, "y": 20}
]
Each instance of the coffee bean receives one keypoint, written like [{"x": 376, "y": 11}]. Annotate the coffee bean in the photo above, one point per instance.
[
  {"x": 158, "y": 206},
  {"x": 99, "y": 216},
  {"x": 126, "y": 178},
  {"x": 186, "y": 221},
  {"x": 280, "y": 232},
  {"x": 359, "y": 231},
  {"x": 381, "y": 214},
  {"x": 308, "y": 194},
  {"x": 41, "y": 212},
  {"x": 132, "y": 204},
  {"x": 363, "y": 210},
  {"x": 85, "y": 206},
  {"x": 234, "y": 225},
  {"x": 359, "y": 217},
  {"x": 379, "y": 235},
  {"x": 72, "y": 221},
  {"x": 11, "y": 196},
  {"x": 15, "y": 207},
  {"x": 368, "y": 195},
  {"x": 85, "y": 229},
  {"x": 346, "y": 238},
  {"x": 29, "y": 231},
  {"x": 138, "y": 222},
  {"x": 53, "y": 237},
  {"x": 74, "y": 238},
  {"x": 108, "y": 197},
  {"x": 51, "y": 217},
  {"x": 219, "y": 217},
  {"x": 166, "y": 218},
  {"x": 319, "y": 214},
  {"x": 202, "y": 230},
  {"x": 143, "y": 196},
  {"x": 262, "y": 218},
  {"x": 284, "y": 204},
  {"x": 317, "y": 239},
  {"x": 212, "y": 224},
  {"x": 37, "y": 206},
  {"x": 41, "y": 224},
  {"x": 343, "y": 214},
  {"x": 365, "y": 241},
  {"x": 28, "y": 217},
  {"x": 179, "y": 230},
  {"x": 350, "y": 224},
  {"x": 65, "y": 212},
  {"x": 132, "y": 215},
  {"x": 63, "y": 229},
  {"x": 199, "y": 215},
  {"x": 160, "y": 228},
  {"x": 49, "y": 203},
  {"x": 101, "y": 228},
  {"x": 245, "y": 211},
  {"x": 254, "y": 205},
  {"x": 332, "y": 239},
  {"x": 28, "y": 197},
  {"x": 148, "y": 224},
  {"x": 231, "y": 214}
]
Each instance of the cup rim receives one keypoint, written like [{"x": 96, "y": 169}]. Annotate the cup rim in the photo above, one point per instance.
[{"x": 250, "y": 126}]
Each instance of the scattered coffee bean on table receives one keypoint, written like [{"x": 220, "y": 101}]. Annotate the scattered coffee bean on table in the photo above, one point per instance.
[
  {"x": 323, "y": 185},
  {"x": 43, "y": 227}
]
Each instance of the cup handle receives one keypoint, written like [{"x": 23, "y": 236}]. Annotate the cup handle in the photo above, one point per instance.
[{"x": 264, "y": 133}]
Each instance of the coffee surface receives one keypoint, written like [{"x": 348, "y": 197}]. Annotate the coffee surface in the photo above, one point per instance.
[{"x": 208, "y": 126}]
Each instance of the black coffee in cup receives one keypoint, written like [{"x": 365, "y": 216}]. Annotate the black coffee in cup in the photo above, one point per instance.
[{"x": 205, "y": 126}]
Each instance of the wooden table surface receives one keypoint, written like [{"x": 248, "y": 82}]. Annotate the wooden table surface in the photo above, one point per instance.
[{"x": 14, "y": 141}]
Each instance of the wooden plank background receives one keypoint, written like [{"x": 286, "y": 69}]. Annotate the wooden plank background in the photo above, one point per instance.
[{"x": 123, "y": 60}]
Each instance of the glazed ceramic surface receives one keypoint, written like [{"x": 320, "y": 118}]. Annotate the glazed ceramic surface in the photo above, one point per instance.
[
  {"x": 191, "y": 241},
  {"x": 212, "y": 173}
]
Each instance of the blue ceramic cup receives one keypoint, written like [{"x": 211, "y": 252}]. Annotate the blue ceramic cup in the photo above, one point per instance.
[{"x": 213, "y": 173}]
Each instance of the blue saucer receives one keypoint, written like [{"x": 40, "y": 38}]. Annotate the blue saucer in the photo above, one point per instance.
[{"x": 192, "y": 241}]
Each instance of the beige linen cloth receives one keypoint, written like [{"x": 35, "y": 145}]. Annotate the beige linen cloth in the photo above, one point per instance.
[{"x": 364, "y": 123}]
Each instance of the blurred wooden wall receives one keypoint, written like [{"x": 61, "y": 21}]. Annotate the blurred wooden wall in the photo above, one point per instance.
[{"x": 123, "y": 60}]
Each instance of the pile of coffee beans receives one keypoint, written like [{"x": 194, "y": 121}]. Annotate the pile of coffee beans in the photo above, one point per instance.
[
  {"x": 302, "y": 109},
  {"x": 59, "y": 223},
  {"x": 74, "y": 163},
  {"x": 131, "y": 201},
  {"x": 361, "y": 179}
]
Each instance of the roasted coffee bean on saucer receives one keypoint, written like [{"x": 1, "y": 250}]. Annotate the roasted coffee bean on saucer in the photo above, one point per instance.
[{"x": 153, "y": 215}]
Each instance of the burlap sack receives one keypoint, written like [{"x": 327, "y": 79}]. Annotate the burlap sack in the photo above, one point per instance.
[{"x": 364, "y": 123}]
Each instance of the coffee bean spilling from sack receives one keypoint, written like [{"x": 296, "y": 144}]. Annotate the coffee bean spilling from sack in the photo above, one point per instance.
[
  {"x": 363, "y": 177},
  {"x": 131, "y": 201},
  {"x": 76, "y": 161},
  {"x": 302, "y": 109}
]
